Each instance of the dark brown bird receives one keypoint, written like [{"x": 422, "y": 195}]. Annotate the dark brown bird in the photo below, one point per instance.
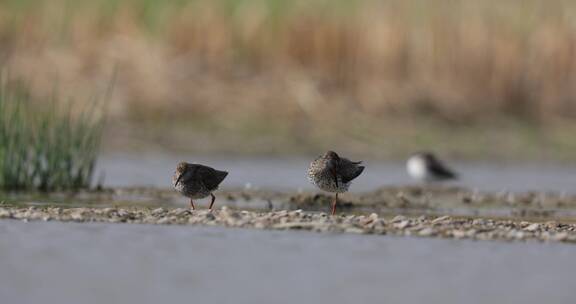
[
  {"x": 197, "y": 181},
  {"x": 333, "y": 173}
]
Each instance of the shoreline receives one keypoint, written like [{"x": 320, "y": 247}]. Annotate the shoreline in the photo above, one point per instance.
[
  {"x": 400, "y": 225},
  {"x": 388, "y": 201}
]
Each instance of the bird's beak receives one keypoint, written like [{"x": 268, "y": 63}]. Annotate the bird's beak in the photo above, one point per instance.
[{"x": 178, "y": 180}]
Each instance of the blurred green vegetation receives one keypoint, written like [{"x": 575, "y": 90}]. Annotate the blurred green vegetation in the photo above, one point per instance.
[{"x": 43, "y": 145}]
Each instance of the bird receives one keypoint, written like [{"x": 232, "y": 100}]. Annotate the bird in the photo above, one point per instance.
[
  {"x": 426, "y": 167},
  {"x": 333, "y": 173},
  {"x": 197, "y": 181}
]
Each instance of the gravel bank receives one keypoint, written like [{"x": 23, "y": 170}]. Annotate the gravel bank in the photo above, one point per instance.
[{"x": 444, "y": 226}]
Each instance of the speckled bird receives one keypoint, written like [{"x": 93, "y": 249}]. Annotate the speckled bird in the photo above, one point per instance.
[
  {"x": 426, "y": 167},
  {"x": 197, "y": 181},
  {"x": 333, "y": 173}
]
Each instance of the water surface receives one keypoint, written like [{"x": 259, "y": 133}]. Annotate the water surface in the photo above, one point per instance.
[
  {"x": 117, "y": 263},
  {"x": 290, "y": 174}
]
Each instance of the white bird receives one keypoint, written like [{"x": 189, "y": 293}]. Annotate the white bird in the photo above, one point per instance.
[{"x": 425, "y": 167}]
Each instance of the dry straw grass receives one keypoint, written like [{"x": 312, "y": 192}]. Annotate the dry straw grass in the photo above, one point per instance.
[{"x": 288, "y": 61}]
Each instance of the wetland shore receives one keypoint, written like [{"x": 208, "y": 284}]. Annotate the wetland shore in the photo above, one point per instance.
[
  {"x": 445, "y": 212},
  {"x": 424, "y": 226}
]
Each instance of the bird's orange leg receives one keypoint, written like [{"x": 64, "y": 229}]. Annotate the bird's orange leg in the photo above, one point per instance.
[
  {"x": 334, "y": 204},
  {"x": 192, "y": 204},
  {"x": 212, "y": 202}
]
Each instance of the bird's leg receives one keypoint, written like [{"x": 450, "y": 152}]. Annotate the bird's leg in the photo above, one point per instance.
[
  {"x": 334, "y": 204},
  {"x": 192, "y": 204},
  {"x": 212, "y": 202},
  {"x": 336, "y": 197}
]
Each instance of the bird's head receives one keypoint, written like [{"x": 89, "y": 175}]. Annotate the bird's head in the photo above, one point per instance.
[
  {"x": 331, "y": 155},
  {"x": 425, "y": 155},
  {"x": 180, "y": 169}
]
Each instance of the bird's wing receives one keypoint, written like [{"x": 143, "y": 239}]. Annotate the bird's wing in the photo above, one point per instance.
[
  {"x": 349, "y": 170},
  {"x": 440, "y": 169},
  {"x": 210, "y": 176}
]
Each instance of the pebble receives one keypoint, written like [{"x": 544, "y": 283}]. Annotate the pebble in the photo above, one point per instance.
[
  {"x": 401, "y": 225},
  {"x": 398, "y": 218},
  {"x": 532, "y": 227},
  {"x": 444, "y": 226},
  {"x": 5, "y": 213},
  {"x": 426, "y": 232},
  {"x": 157, "y": 211},
  {"x": 459, "y": 234},
  {"x": 440, "y": 219}
]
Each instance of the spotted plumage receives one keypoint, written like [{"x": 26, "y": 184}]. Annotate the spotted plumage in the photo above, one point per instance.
[
  {"x": 197, "y": 181},
  {"x": 333, "y": 173}
]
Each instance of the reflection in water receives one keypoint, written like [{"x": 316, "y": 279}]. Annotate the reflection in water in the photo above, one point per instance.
[{"x": 290, "y": 174}]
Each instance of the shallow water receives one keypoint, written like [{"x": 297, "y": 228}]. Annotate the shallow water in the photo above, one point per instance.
[
  {"x": 108, "y": 263},
  {"x": 114, "y": 263},
  {"x": 290, "y": 174}
]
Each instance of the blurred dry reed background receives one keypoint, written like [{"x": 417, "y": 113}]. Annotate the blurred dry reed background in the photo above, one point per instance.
[{"x": 380, "y": 78}]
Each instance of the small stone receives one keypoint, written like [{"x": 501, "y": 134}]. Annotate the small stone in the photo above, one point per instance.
[
  {"x": 471, "y": 232},
  {"x": 77, "y": 215},
  {"x": 158, "y": 211},
  {"x": 5, "y": 213},
  {"x": 551, "y": 225},
  {"x": 440, "y": 219},
  {"x": 295, "y": 213},
  {"x": 149, "y": 219},
  {"x": 532, "y": 227},
  {"x": 479, "y": 222},
  {"x": 402, "y": 224},
  {"x": 398, "y": 218},
  {"x": 163, "y": 221},
  {"x": 209, "y": 216},
  {"x": 426, "y": 232},
  {"x": 459, "y": 234},
  {"x": 517, "y": 234},
  {"x": 108, "y": 211},
  {"x": 179, "y": 212}
]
